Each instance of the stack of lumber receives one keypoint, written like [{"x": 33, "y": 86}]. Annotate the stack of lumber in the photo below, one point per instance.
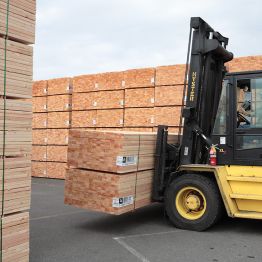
[
  {"x": 52, "y": 119},
  {"x": 17, "y": 34},
  {"x": 110, "y": 171},
  {"x": 133, "y": 100}
]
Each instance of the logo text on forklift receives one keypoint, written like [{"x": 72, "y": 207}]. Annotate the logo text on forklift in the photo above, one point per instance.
[{"x": 193, "y": 87}]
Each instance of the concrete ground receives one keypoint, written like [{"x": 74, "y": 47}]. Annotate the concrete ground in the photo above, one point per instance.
[{"x": 62, "y": 233}]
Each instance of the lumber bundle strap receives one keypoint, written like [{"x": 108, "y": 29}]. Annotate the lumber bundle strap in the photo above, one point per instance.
[{"x": 4, "y": 124}]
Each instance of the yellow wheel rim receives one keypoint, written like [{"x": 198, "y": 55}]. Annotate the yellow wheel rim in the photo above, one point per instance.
[{"x": 190, "y": 203}]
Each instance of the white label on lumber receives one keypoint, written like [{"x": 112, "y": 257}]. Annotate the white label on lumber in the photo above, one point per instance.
[
  {"x": 95, "y": 103},
  {"x": 46, "y": 139},
  {"x": 123, "y": 83},
  {"x": 96, "y": 85},
  {"x": 122, "y": 201},
  {"x": 126, "y": 160},
  {"x": 45, "y": 107},
  {"x": 121, "y": 102},
  {"x": 152, "y": 100},
  {"x": 45, "y": 123},
  {"x": 121, "y": 121},
  {"x": 66, "y": 140},
  {"x": 152, "y": 80},
  {"x": 45, "y": 91},
  {"x": 152, "y": 120},
  {"x": 94, "y": 122}
]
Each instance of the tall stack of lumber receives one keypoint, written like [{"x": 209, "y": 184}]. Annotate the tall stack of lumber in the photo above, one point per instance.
[
  {"x": 17, "y": 33},
  {"x": 110, "y": 171},
  {"x": 131, "y": 100},
  {"x": 52, "y": 120}
]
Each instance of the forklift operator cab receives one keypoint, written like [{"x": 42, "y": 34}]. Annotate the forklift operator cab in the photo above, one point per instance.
[{"x": 238, "y": 126}]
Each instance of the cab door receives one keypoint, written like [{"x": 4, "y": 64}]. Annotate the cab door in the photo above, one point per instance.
[{"x": 247, "y": 119}]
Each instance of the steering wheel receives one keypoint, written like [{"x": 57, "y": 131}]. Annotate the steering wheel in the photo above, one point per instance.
[{"x": 241, "y": 118}]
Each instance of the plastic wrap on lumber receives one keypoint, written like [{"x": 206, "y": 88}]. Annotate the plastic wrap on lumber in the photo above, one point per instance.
[
  {"x": 39, "y": 169},
  {"x": 98, "y": 82},
  {"x": 118, "y": 152},
  {"x": 169, "y": 95},
  {"x": 139, "y": 117},
  {"x": 84, "y": 118},
  {"x": 167, "y": 116},
  {"x": 15, "y": 237},
  {"x": 17, "y": 185},
  {"x": 59, "y": 120},
  {"x": 110, "y": 118},
  {"x": 21, "y": 20},
  {"x": 59, "y": 86},
  {"x": 144, "y": 77},
  {"x": 39, "y": 88},
  {"x": 39, "y": 136},
  {"x": 140, "y": 97},
  {"x": 39, "y": 121},
  {"x": 56, "y": 170},
  {"x": 248, "y": 63},
  {"x": 39, "y": 153},
  {"x": 57, "y": 136},
  {"x": 170, "y": 75},
  {"x": 107, "y": 192},
  {"x": 59, "y": 103},
  {"x": 39, "y": 104},
  {"x": 57, "y": 153}
]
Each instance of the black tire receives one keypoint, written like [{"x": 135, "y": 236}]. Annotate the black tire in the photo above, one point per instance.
[{"x": 214, "y": 204}]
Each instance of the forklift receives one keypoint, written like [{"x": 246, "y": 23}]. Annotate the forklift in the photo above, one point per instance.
[{"x": 216, "y": 163}]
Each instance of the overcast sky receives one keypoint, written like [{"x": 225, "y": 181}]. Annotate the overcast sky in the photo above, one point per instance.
[{"x": 75, "y": 37}]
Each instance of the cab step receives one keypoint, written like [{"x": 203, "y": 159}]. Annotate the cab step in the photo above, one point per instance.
[
  {"x": 247, "y": 214},
  {"x": 246, "y": 196},
  {"x": 245, "y": 178}
]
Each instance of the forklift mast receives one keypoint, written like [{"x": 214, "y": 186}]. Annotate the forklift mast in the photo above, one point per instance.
[{"x": 207, "y": 53}]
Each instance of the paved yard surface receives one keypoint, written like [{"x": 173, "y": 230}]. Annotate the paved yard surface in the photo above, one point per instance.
[{"x": 62, "y": 233}]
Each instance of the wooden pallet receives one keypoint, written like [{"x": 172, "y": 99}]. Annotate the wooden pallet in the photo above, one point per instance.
[
  {"x": 39, "y": 169},
  {"x": 21, "y": 22},
  {"x": 15, "y": 241},
  {"x": 39, "y": 137},
  {"x": 117, "y": 152},
  {"x": 56, "y": 170},
  {"x": 57, "y": 137},
  {"x": 108, "y": 192},
  {"x": 59, "y": 120},
  {"x": 57, "y": 153},
  {"x": 84, "y": 118},
  {"x": 39, "y": 121},
  {"x": 144, "y": 77},
  {"x": 39, "y": 104},
  {"x": 110, "y": 118}
]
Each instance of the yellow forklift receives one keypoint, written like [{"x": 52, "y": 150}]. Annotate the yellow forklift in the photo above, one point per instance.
[{"x": 216, "y": 164}]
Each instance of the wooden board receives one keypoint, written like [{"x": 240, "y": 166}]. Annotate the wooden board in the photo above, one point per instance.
[
  {"x": 139, "y": 117},
  {"x": 110, "y": 118},
  {"x": 144, "y": 77},
  {"x": 39, "y": 153},
  {"x": 39, "y": 88},
  {"x": 39, "y": 169},
  {"x": 39, "y": 104},
  {"x": 167, "y": 116},
  {"x": 248, "y": 63},
  {"x": 98, "y": 100},
  {"x": 39, "y": 136},
  {"x": 59, "y": 103},
  {"x": 118, "y": 152},
  {"x": 57, "y": 136},
  {"x": 18, "y": 115},
  {"x": 84, "y": 118},
  {"x": 60, "y": 86},
  {"x": 21, "y": 20},
  {"x": 138, "y": 129},
  {"x": 140, "y": 97},
  {"x": 169, "y": 95},
  {"x": 17, "y": 185},
  {"x": 106, "y": 191},
  {"x": 15, "y": 240},
  {"x": 98, "y": 82},
  {"x": 170, "y": 75},
  {"x": 19, "y": 69},
  {"x": 39, "y": 121},
  {"x": 59, "y": 120},
  {"x": 57, "y": 153},
  {"x": 56, "y": 170}
]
